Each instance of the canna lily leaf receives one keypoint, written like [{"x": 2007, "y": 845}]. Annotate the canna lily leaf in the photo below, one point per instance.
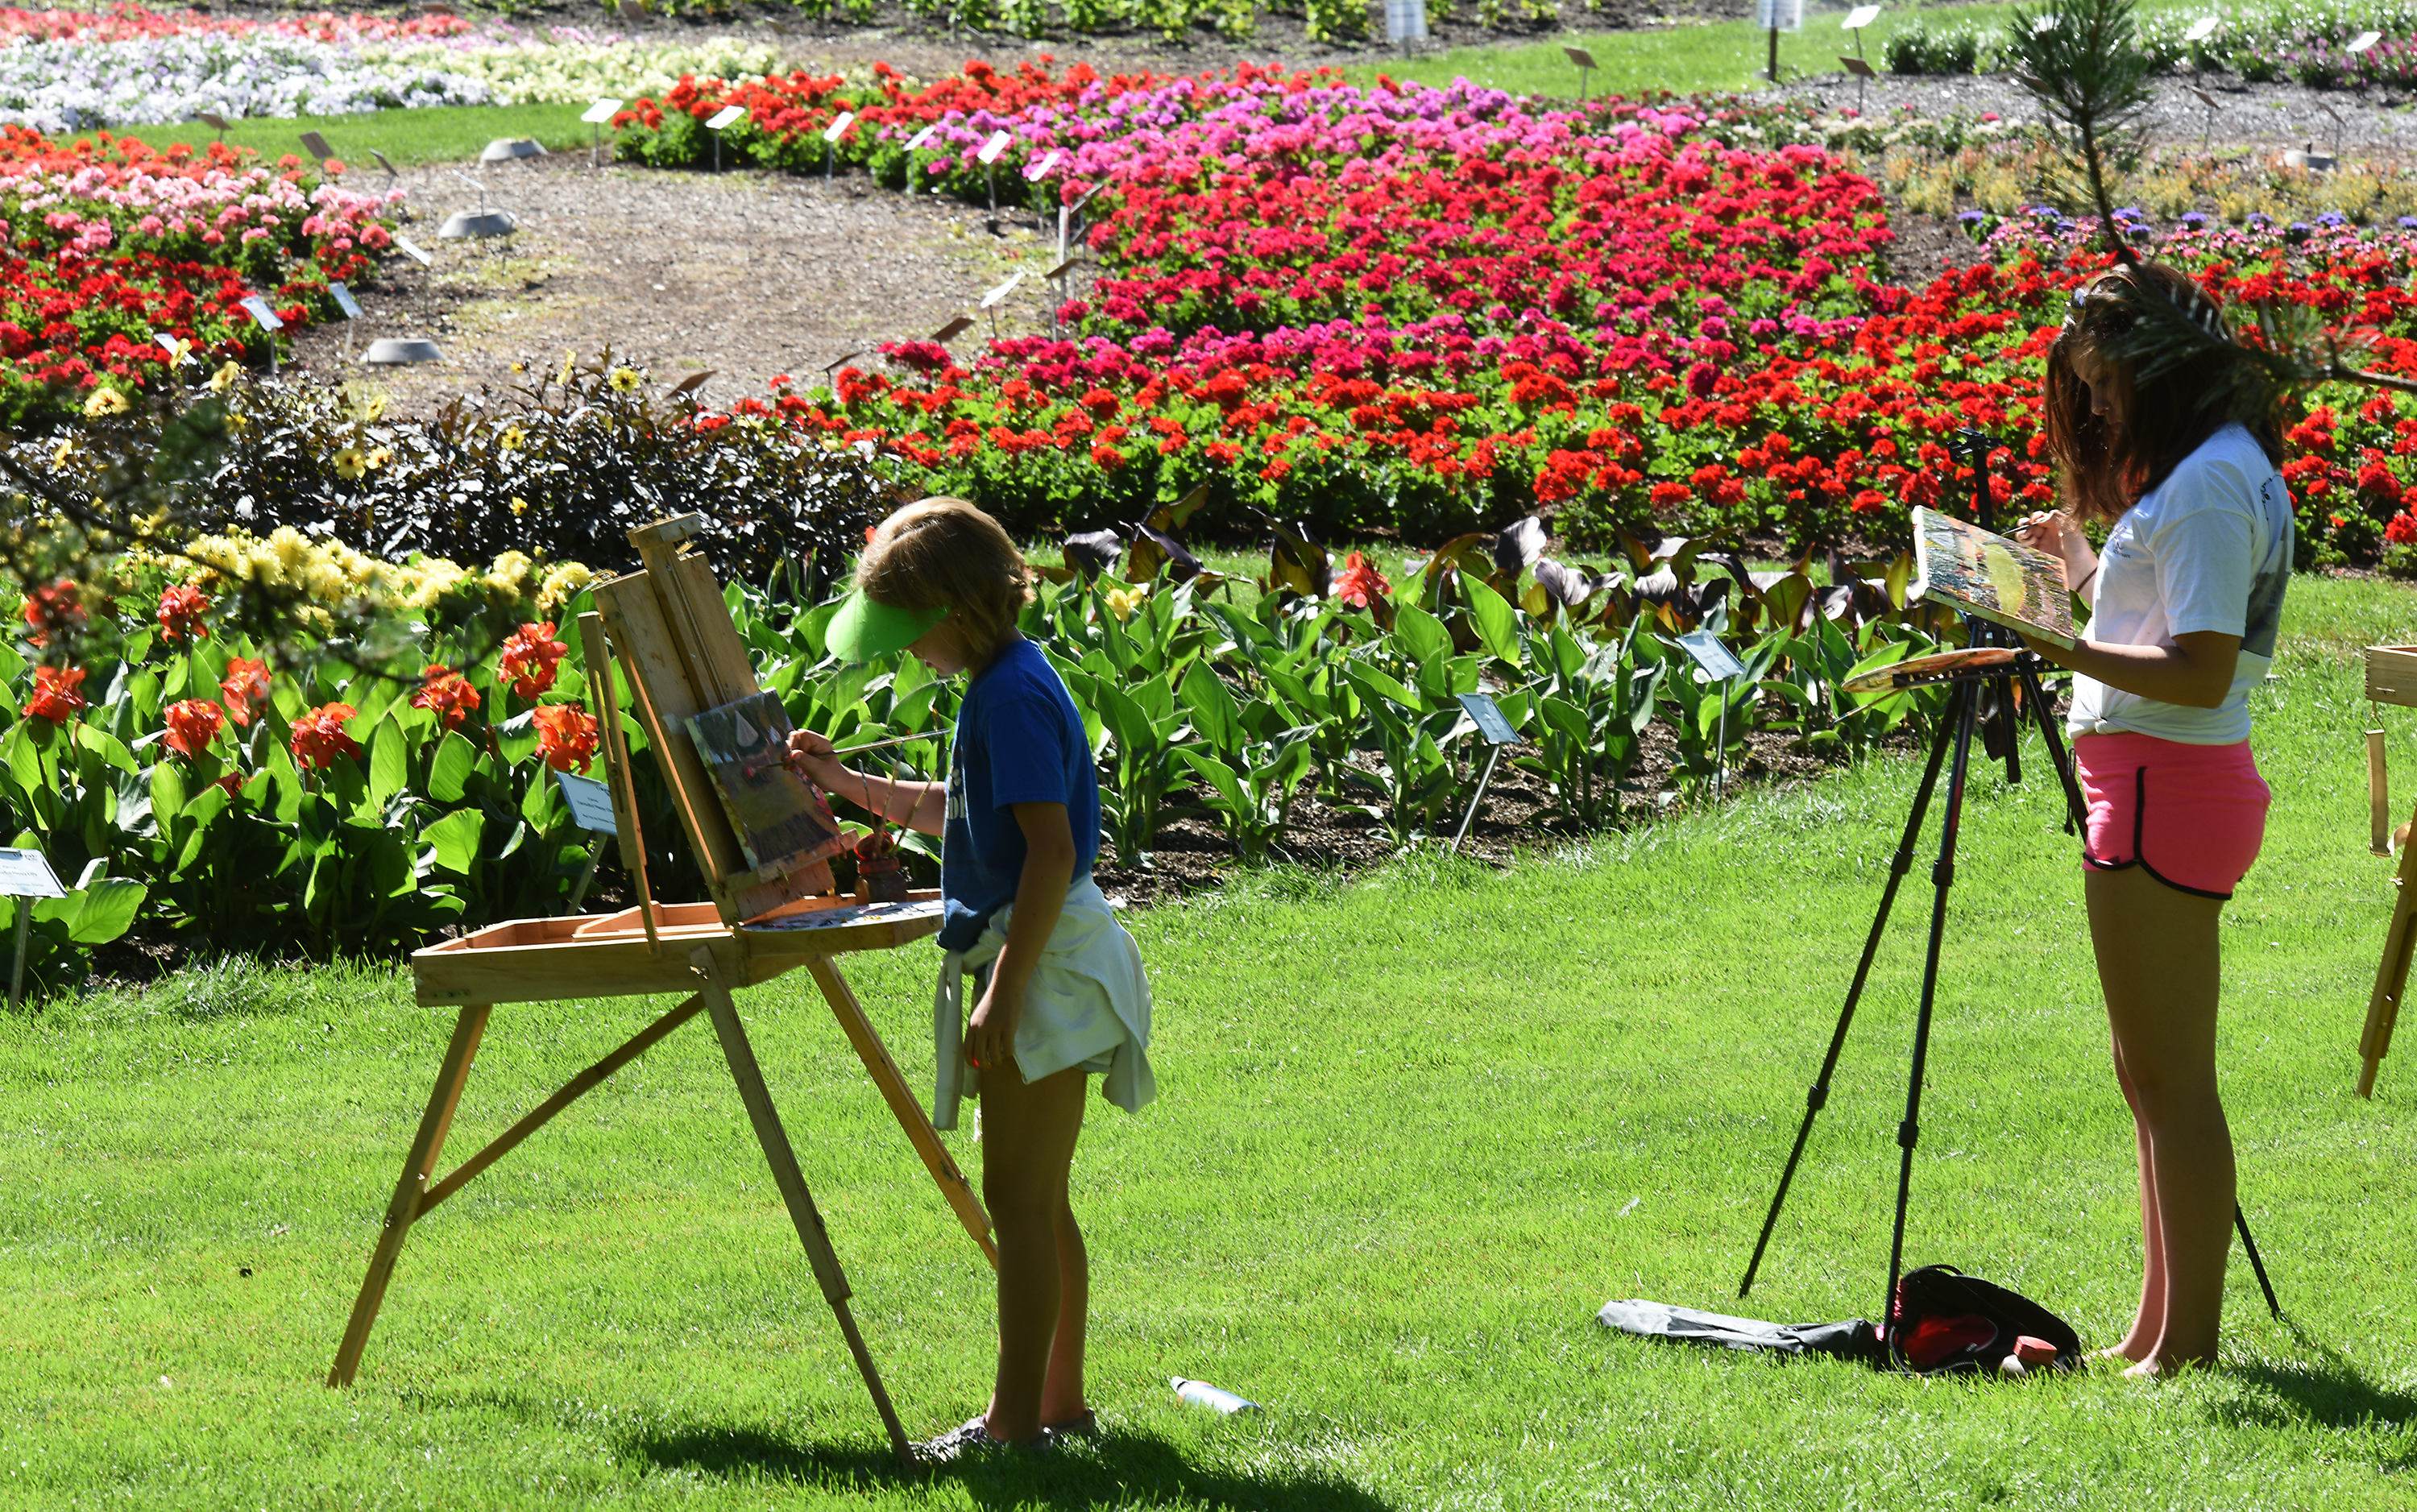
[
  {"x": 389, "y": 762},
  {"x": 455, "y": 839},
  {"x": 1518, "y": 546},
  {"x": 1497, "y": 621},
  {"x": 1421, "y": 634},
  {"x": 448, "y": 775},
  {"x": 1220, "y": 777},
  {"x": 1214, "y": 712}
]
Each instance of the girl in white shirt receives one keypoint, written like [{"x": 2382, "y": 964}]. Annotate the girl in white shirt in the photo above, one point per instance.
[{"x": 2184, "y": 603}]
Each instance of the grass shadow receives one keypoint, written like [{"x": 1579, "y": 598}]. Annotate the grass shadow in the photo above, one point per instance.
[
  {"x": 1120, "y": 1470},
  {"x": 2327, "y": 1390}
]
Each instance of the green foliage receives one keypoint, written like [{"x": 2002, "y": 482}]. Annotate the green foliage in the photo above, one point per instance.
[{"x": 1918, "y": 49}]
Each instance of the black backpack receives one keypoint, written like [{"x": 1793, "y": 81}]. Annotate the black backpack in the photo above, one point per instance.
[{"x": 1942, "y": 1322}]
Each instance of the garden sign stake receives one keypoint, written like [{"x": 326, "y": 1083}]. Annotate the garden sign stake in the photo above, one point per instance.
[
  {"x": 596, "y": 115},
  {"x": 1497, "y": 732},
  {"x": 760, "y": 837},
  {"x": 591, "y": 803},
  {"x": 723, "y": 120},
  {"x": 1718, "y": 663},
  {"x": 26, "y": 875}
]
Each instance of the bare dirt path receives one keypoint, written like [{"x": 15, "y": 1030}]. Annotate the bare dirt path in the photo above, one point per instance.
[{"x": 746, "y": 274}]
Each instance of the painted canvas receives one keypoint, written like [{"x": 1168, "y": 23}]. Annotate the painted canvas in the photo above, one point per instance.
[
  {"x": 1987, "y": 575},
  {"x": 777, "y": 814}
]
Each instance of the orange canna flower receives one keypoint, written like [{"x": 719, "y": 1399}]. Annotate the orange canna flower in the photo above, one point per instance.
[
  {"x": 567, "y": 736},
  {"x": 528, "y": 659},
  {"x": 448, "y": 694},
  {"x": 56, "y": 698},
  {"x": 319, "y": 738},
  {"x": 52, "y": 608},
  {"x": 192, "y": 725},
  {"x": 1359, "y": 581},
  {"x": 246, "y": 681},
  {"x": 181, "y": 609}
]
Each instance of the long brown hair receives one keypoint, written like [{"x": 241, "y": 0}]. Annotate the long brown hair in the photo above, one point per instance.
[{"x": 2103, "y": 469}]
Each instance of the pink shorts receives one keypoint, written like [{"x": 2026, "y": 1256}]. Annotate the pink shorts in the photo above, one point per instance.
[{"x": 2190, "y": 816}]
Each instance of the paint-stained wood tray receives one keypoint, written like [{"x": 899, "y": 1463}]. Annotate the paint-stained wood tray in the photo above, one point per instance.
[{"x": 540, "y": 960}]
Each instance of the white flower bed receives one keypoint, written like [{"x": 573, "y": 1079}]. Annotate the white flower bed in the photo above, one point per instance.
[{"x": 65, "y": 87}]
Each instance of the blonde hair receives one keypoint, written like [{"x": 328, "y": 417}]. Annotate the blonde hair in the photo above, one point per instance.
[{"x": 945, "y": 552}]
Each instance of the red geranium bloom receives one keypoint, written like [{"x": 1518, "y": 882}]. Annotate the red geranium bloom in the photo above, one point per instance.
[
  {"x": 192, "y": 725},
  {"x": 529, "y": 658},
  {"x": 56, "y": 698},
  {"x": 448, "y": 693},
  {"x": 1360, "y": 581},
  {"x": 180, "y": 614},
  {"x": 245, "y": 681},
  {"x": 52, "y": 608},
  {"x": 319, "y": 738},
  {"x": 567, "y": 736},
  {"x": 2402, "y": 530}
]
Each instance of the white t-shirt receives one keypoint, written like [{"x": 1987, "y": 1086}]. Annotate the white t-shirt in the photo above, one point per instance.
[{"x": 2209, "y": 548}]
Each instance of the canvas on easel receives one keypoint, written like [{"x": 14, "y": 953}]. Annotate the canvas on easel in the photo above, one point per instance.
[
  {"x": 675, "y": 653},
  {"x": 1986, "y": 575}
]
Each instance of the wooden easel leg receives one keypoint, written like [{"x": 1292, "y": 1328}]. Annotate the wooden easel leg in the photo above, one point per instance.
[
  {"x": 911, "y": 1117},
  {"x": 792, "y": 1183},
  {"x": 2392, "y": 972},
  {"x": 405, "y": 1206}
]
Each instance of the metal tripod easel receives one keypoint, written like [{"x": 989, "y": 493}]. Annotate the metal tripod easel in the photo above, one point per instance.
[{"x": 2002, "y": 686}]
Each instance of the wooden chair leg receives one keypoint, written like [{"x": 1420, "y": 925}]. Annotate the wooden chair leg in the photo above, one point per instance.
[
  {"x": 405, "y": 1206},
  {"x": 909, "y": 1112},
  {"x": 792, "y": 1184}
]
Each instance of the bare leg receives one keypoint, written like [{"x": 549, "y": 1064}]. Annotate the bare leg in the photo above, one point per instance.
[
  {"x": 2157, "y": 952},
  {"x": 1028, "y": 1133},
  {"x": 2149, "y": 1318},
  {"x": 1061, "y": 1393}
]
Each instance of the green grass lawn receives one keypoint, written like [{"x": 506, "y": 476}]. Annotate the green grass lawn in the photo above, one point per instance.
[
  {"x": 450, "y": 134},
  {"x": 1413, "y": 1132}
]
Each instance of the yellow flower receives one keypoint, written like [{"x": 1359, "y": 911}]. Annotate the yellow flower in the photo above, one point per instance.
[
  {"x": 563, "y": 580},
  {"x": 66, "y": 454},
  {"x": 569, "y": 365},
  {"x": 224, "y": 378},
  {"x": 178, "y": 350},
  {"x": 371, "y": 409},
  {"x": 520, "y": 366},
  {"x": 379, "y": 457},
  {"x": 512, "y": 437},
  {"x": 104, "y": 401},
  {"x": 624, "y": 379},
  {"x": 1122, "y": 601},
  {"x": 292, "y": 549},
  {"x": 349, "y": 463},
  {"x": 519, "y": 506}
]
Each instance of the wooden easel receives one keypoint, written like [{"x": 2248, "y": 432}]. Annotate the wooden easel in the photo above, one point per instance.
[
  {"x": 2391, "y": 678},
  {"x": 679, "y": 654}
]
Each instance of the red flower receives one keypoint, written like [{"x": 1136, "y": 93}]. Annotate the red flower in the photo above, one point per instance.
[
  {"x": 231, "y": 783},
  {"x": 319, "y": 738},
  {"x": 567, "y": 736},
  {"x": 53, "y": 608},
  {"x": 448, "y": 693},
  {"x": 1360, "y": 581},
  {"x": 56, "y": 698},
  {"x": 245, "y": 681},
  {"x": 192, "y": 725},
  {"x": 2402, "y": 530},
  {"x": 180, "y": 614},
  {"x": 528, "y": 660}
]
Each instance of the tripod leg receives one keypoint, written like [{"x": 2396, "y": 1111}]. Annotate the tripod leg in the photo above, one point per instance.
[
  {"x": 1819, "y": 1093},
  {"x": 1942, "y": 876},
  {"x": 2077, "y": 808},
  {"x": 2255, "y": 1264}
]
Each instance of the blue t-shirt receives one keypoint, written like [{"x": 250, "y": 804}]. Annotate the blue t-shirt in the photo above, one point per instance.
[{"x": 1019, "y": 740}]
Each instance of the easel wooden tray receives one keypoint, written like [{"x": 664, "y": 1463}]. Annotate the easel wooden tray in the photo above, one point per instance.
[{"x": 541, "y": 960}]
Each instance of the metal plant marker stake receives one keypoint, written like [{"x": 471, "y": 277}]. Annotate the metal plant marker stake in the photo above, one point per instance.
[
  {"x": 1497, "y": 732},
  {"x": 24, "y": 876}
]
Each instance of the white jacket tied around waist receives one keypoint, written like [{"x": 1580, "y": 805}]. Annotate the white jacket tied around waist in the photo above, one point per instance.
[{"x": 1088, "y": 1002}]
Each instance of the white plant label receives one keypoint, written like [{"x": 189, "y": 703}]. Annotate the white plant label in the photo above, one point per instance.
[
  {"x": 411, "y": 250},
  {"x": 1042, "y": 168},
  {"x": 601, "y": 111},
  {"x": 261, "y": 314},
  {"x": 2365, "y": 40},
  {"x": 839, "y": 126},
  {"x": 725, "y": 117},
  {"x": 346, "y": 302},
  {"x": 916, "y": 142},
  {"x": 1000, "y": 293},
  {"x": 2201, "y": 29},
  {"x": 995, "y": 145},
  {"x": 1860, "y": 17},
  {"x": 28, "y": 874},
  {"x": 591, "y": 802}
]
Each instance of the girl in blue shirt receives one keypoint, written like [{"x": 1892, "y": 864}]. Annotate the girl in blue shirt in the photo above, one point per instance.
[{"x": 1061, "y": 992}]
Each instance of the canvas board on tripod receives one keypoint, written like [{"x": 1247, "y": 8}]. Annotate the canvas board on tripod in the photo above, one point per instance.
[
  {"x": 776, "y": 812},
  {"x": 1987, "y": 575}
]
